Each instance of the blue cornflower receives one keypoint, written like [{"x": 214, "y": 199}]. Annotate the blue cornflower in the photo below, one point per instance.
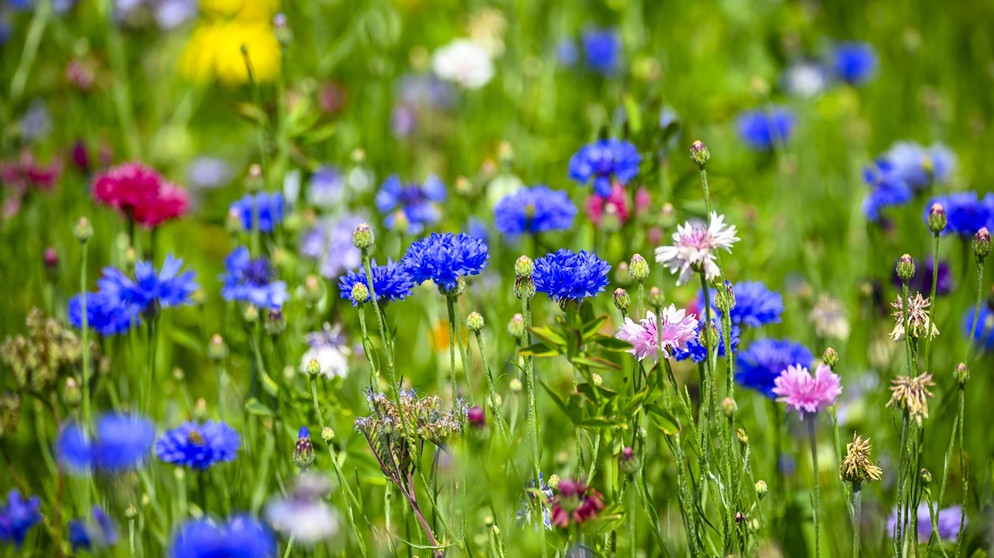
[
  {"x": 409, "y": 207},
  {"x": 983, "y": 335},
  {"x": 603, "y": 160},
  {"x": 918, "y": 166},
  {"x": 477, "y": 228},
  {"x": 88, "y": 535},
  {"x": 199, "y": 446},
  {"x": 966, "y": 213},
  {"x": 854, "y": 63},
  {"x": 566, "y": 275},
  {"x": 329, "y": 243},
  {"x": 527, "y": 503},
  {"x": 239, "y": 537},
  {"x": 18, "y": 516},
  {"x": 567, "y": 54},
  {"x": 252, "y": 281},
  {"x": 268, "y": 207},
  {"x": 534, "y": 210},
  {"x": 392, "y": 281},
  {"x": 602, "y": 50},
  {"x": 326, "y": 188},
  {"x": 121, "y": 443},
  {"x": 762, "y": 129},
  {"x": 887, "y": 188},
  {"x": 755, "y": 305},
  {"x": 104, "y": 314},
  {"x": 763, "y": 360},
  {"x": 150, "y": 290},
  {"x": 698, "y": 353},
  {"x": 444, "y": 258}
]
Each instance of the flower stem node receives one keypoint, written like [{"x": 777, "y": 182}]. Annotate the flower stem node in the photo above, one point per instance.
[
  {"x": 961, "y": 375},
  {"x": 639, "y": 268},
  {"x": 82, "y": 230},
  {"x": 937, "y": 219},
  {"x": 699, "y": 153},
  {"x": 982, "y": 244},
  {"x": 656, "y": 297},
  {"x": 362, "y": 238},
  {"x": 831, "y": 358},
  {"x": 474, "y": 321},
  {"x": 621, "y": 299},
  {"x": 905, "y": 268}
]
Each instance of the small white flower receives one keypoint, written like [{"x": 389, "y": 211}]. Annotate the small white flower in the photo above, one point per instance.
[
  {"x": 829, "y": 318},
  {"x": 304, "y": 515},
  {"x": 463, "y": 62},
  {"x": 329, "y": 349},
  {"x": 694, "y": 247}
]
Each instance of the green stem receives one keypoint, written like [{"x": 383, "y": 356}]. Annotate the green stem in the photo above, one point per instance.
[
  {"x": 494, "y": 409},
  {"x": 86, "y": 338},
  {"x": 260, "y": 128},
  {"x": 857, "y": 508},
  {"x": 817, "y": 484},
  {"x": 35, "y": 32},
  {"x": 150, "y": 377},
  {"x": 931, "y": 298},
  {"x": 976, "y": 309},
  {"x": 963, "y": 472},
  {"x": 450, "y": 305}
]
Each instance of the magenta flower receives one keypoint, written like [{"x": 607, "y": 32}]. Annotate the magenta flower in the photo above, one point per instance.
[
  {"x": 677, "y": 329},
  {"x": 805, "y": 393}
]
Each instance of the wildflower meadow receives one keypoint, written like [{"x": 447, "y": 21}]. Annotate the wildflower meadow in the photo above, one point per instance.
[{"x": 604, "y": 278}]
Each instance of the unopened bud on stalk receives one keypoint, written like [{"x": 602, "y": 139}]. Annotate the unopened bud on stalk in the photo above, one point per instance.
[
  {"x": 251, "y": 314},
  {"x": 327, "y": 434},
  {"x": 982, "y": 244},
  {"x": 313, "y": 368},
  {"x": 699, "y": 153},
  {"x": 83, "y": 230},
  {"x": 639, "y": 268},
  {"x": 926, "y": 477},
  {"x": 130, "y": 512},
  {"x": 524, "y": 267},
  {"x": 937, "y": 219},
  {"x": 709, "y": 336},
  {"x": 71, "y": 393},
  {"x": 905, "y": 268},
  {"x": 362, "y": 238},
  {"x": 312, "y": 288},
  {"x": 622, "y": 274},
  {"x": 474, "y": 321},
  {"x": 621, "y": 299},
  {"x": 233, "y": 224},
  {"x": 282, "y": 30},
  {"x": 628, "y": 461},
  {"x": 516, "y": 326},
  {"x": 724, "y": 297},
  {"x": 51, "y": 260},
  {"x": 830, "y": 358},
  {"x": 254, "y": 180},
  {"x": 656, "y": 298},
  {"x": 515, "y": 385},
  {"x": 303, "y": 450},
  {"x": 729, "y": 407},
  {"x": 216, "y": 349},
  {"x": 360, "y": 293},
  {"x": 961, "y": 374},
  {"x": 597, "y": 379},
  {"x": 761, "y": 489},
  {"x": 524, "y": 287},
  {"x": 275, "y": 322}
]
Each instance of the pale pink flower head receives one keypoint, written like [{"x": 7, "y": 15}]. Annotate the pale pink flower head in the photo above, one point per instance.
[
  {"x": 674, "y": 329},
  {"x": 805, "y": 393},
  {"x": 694, "y": 247}
]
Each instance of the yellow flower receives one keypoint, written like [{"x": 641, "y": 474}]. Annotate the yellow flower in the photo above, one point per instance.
[
  {"x": 246, "y": 10},
  {"x": 215, "y": 50}
]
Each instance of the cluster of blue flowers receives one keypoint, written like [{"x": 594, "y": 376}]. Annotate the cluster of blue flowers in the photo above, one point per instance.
[
  {"x": 391, "y": 281},
  {"x": 534, "y": 210},
  {"x": 18, "y": 516},
  {"x": 120, "y": 301},
  {"x": 329, "y": 242},
  {"x": 252, "y": 280},
  {"x": 565, "y": 275},
  {"x": 603, "y": 161},
  {"x": 199, "y": 446},
  {"x": 966, "y": 212},
  {"x": 238, "y": 537},
  {"x": 762, "y": 129},
  {"x": 905, "y": 169},
  {"x": 120, "y": 442},
  {"x": 267, "y": 207},
  {"x": 409, "y": 207},
  {"x": 854, "y": 63}
]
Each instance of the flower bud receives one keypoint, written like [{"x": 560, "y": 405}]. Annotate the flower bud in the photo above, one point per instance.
[
  {"x": 254, "y": 180},
  {"x": 515, "y": 385},
  {"x": 233, "y": 224},
  {"x": 639, "y": 268},
  {"x": 961, "y": 375},
  {"x": 474, "y": 321},
  {"x": 51, "y": 260},
  {"x": 360, "y": 293},
  {"x": 313, "y": 291},
  {"x": 524, "y": 267},
  {"x": 937, "y": 218},
  {"x": 553, "y": 481},
  {"x": 761, "y": 489},
  {"x": 699, "y": 153},
  {"x": 282, "y": 30},
  {"x": 313, "y": 368},
  {"x": 524, "y": 287},
  {"x": 83, "y": 230},
  {"x": 303, "y": 450},
  {"x": 130, "y": 512},
  {"x": 708, "y": 337},
  {"x": 362, "y": 238},
  {"x": 982, "y": 244},
  {"x": 622, "y": 274},
  {"x": 926, "y": 477},
  {"x": 327, "y": 434},
  {"x": 905, "y": 268},
  {"x": 71, "y": 394},
  {"x": 724, "y": 297},
  {"x": 251, "y": 314},
  {"x": 621, "y": 299},
  {"x": 597, "y": 379},
  {"x": 729, "y": 407},
  {"x": 476, "y": 416},
  {"x": 516, "y": 326},
  {"x": 656, "y": 298},
  {"x": 742, "y": 436},
  {"x": 830, "y": 358},
  {"x": 275, "y": 322},
  {"x": 216, "y": 349},
  {"x": 628, "y": 461}
]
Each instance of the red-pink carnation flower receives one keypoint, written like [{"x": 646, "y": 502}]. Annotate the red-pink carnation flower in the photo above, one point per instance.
[
  {"x": 24, "y": 173},
  {"x": 575, "y": 502},
  {"x": 805, "y": 393},
  {"x": 140, "y": 193},
  {"x": 616, "y": 204}
]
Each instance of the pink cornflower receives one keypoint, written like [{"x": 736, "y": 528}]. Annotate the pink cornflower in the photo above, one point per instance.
[
  {"x": 141, "y": 194},
  {"x": 694, "y": 247},
  {"x": 805, "y": 393},
  {"x": 597, "y": 207},
  {"x": 576, "y": 502},
  {"x": 24, "y": 174},
  {"x": 677, "y": 329}
]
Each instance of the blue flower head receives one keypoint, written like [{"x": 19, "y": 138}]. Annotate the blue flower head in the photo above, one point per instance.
[
  {"x": 89, "y": 535},
  {"x": 251, "y": 281},
  {"x": 698, "y": 353},
  {"x": 239, "y": 537},
  {"x": 121, "y": 443},
  {"x": 326, "y": 188},
  {"x": 602, "y": 50},
  {"x": 854, "y": 63},
  {"x": 762, "y": 129},
  {"x": 409, "y": 207},
  {"x": 755, "y": 305},
  {"x": 567, "y": 54},
  {"x": 444, "y": 258},
  {"x": 268, "y": 207},
  {"x": 919, "y": 167},
  {"x": 105, "y": 314},
  {"x": 603, "y": 160},
  {"x": 329, "y": 243},
  {"x": 391, "y": 281},
  {"x": 18, "y": 516},
  {"x": 534, "y": 210},
  {"x": 150, "y": 290},
  {"x": 983, "y": 334},
  {"x": 965, "y": 212},
  {"x": 199, "y": 446},
  {"x": 887, "y": 188},
  {"x": 566, "y": 275},
  {"x": 759, "y": 365}
]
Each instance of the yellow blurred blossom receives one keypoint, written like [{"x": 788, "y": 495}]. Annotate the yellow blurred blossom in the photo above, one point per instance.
[{"x": 215, "y": 47}]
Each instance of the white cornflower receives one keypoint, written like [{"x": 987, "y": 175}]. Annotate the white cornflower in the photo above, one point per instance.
[
  {"x": 304, "y": 515},
  {"x": 694, "y": 247},
  {"x": 463, "y": 62}
]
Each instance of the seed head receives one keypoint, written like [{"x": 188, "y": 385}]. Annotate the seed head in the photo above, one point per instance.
[
  {"x": 857, "y": 466},
  {"x": 912, "y": 395}
]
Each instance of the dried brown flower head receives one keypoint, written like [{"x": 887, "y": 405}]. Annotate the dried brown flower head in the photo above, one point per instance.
[
  {"x": 918, "y": 320},
  {"x": 912, "y": 394},
  {"x": 857, "y": 466}
]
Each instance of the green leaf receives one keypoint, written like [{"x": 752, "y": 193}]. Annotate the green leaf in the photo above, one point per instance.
[
  {"x": 593, "y": 326},
  {"x": 634, "y": 113},
  {"x": 663, "y": 419},
  {"x": 540, "y": 350},
  {"x": 258, "y": 408},
  {"x": 611, "y": 343},
  {"x": 549, "y": 336},
  {"x": 588, "y": 389},
  {"x": 268, "y": 384},
  {"x": 598, "y": 422},
  {"x": 596, "y": 363}
]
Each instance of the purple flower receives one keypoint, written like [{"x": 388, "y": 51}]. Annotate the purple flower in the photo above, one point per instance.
[
  {"x": 566, "y": 275},
  {"x": 409, "y": 207},
  {"x": 675, "y": 328},
  {"x": 534, "y": 210},
  {"x": 947, "y": 521},
  {"x": 444, "y": 258},
  {"x": 804, "y": 393},
  {"x": 329, "y": 243},
  {"x": 252, "y": 281}
]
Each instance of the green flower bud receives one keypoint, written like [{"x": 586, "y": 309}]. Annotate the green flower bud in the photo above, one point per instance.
[
  {"x": 360, "y": 293},
  {"x": 275, "y": 322},
  {"x": 83, "y": 230},
  {"x": 515, "y": 385},
  {"x": 474, "y": 321},
  {"x": 830, "y": 358},
  {"x": 524, "y": 287},
  {"x": 251, "y": 314},
  {"x": 621, "y": 299},
  {"x": 524, "y": 267},
  {"x": 362, "y": 238},
  {"x": 982, "y": 244},
  {"x": 925, "y": 476},
  {"x": 217, "y": 350},
  {"x": 724, "y": 297},
  {"x": 327, "y": 434},
  {"x": 622, "y": 274},
  {"x": 699, "y": 153},
  {"x": 639, "y": 268},
  {"x": 516, "y": 326},
  {"x": 303, "y": 450},
  {"x": 628, "y": 461},
  {"x": 729, "y": 407},
  {"x": 961, "y": 374},
  {"x": 761, "y": 489},
  {"x": 313, "y": 368},
  {"x": 905, "y": 268},
  {"x": 313, "y": 291},
  {"x": 656, "y": 298},
  {"x": 937, "y": 218},
  {"x": 254, "y": 180}
]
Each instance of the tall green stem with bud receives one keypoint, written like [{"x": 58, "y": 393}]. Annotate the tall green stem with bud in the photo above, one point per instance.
[{"x": 83, "y": 232}]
